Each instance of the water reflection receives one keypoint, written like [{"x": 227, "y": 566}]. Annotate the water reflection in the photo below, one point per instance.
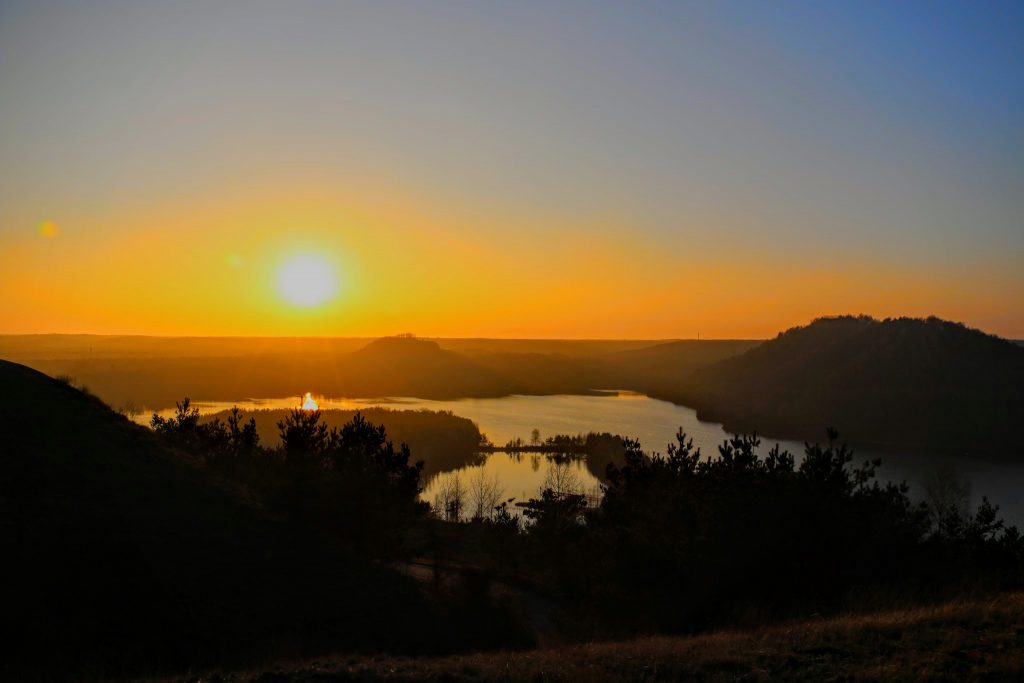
[
  {"x": 654, "y": 423},
  {"x": 516, "y": 478}
]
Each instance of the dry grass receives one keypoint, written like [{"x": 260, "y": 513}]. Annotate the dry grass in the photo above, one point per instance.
[{"x": 957, "y": 641}]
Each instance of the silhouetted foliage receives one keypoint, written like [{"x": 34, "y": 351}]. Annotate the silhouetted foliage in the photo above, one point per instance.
[
  {"x": 295, "y": 543},
  {"x": 221, "y": 445},
  {"x": 444, "y": 441},
  {"x": 679, "y": 541},
  {"x": 352, "y": 480},
  {"x": 304, "y": 439},
  {"x": 555, "y": 513}
]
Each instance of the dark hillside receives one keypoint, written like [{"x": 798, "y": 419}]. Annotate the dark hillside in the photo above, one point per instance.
[
  {"x": 122, "y": 555},
  {"x": 905, "y": 383},
  {"x": 659, "y": 368},
  {"x": 547, "y": 373}
]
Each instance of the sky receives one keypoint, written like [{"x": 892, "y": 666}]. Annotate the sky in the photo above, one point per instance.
[{"x": 515, "y": 169}]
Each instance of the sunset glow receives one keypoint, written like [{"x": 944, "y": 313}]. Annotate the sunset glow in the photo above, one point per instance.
[
  {"x": 307, "y": 280},
  {"x": 671, "y": 192}
]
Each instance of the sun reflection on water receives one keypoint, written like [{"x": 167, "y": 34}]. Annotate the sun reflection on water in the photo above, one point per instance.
[{"x": 309, "y": 404}]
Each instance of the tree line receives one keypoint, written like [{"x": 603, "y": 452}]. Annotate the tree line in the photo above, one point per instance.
[
  {"x": 351, "y": 481},
  {"x": 675, "y": 542},
  {"x": 681, "y": 542}
]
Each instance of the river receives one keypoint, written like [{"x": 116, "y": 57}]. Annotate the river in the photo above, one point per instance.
[{"x": 655, "y": 424}]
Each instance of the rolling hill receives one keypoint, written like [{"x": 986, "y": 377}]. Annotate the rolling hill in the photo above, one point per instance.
[
  {"x": 909, "y": 383},
  {"x": 661, "y": 367},
  {"x": 154, "y": 372},
  {"x": 407, "y": 366},
  {"x": 124, "y": 375}
]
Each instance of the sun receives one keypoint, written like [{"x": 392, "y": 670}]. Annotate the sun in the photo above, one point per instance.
[{"x": 307, "y": 280}]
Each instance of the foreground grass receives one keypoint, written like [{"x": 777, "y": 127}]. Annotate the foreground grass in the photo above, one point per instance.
[{"x": 957, "y": 641}]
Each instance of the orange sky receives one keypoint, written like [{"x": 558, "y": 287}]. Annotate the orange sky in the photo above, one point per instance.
[
  {"x": 404, "y": 265},
  {"x": 508, "y": 170}
]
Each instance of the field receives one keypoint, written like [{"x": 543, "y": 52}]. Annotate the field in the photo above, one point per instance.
[{"x": 977, "y": 640}]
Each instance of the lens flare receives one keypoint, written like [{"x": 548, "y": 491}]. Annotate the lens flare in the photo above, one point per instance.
[{"x": 48, "y": 229}]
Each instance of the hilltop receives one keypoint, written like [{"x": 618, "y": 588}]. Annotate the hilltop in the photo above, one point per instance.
[
  {"x": 407, "y": 366},
  {"x": 902, "y": 382}
]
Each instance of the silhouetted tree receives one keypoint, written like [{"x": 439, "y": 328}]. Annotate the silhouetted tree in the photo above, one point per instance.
[
  {"x": 221, "y": 446},
  {"x": 243, "y": 435},
  {"x": 183, "y": 428},
  {"x": 695, "y": 538},
  {"x": 484, "y": 495},
  {"x": 451, "y": 498},
  {"x": 304, "y": 439},
  {"x": 352, "y": 480}
]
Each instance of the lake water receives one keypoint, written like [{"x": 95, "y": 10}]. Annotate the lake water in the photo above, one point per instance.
[{"x": 651, "y": 421}]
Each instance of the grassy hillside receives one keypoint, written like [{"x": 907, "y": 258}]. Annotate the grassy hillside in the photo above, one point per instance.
[
  {"x": 907, "y": 383},
  {"x": 980, "y": 640}
]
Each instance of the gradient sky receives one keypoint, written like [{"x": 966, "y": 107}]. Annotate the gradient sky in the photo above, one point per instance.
[{"x": 550, "y": 169}]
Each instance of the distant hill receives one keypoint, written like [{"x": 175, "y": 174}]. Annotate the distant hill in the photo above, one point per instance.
[
  {"x": 570, "y": 348},
  {"x": 392, "y": 366},
  {"x": 154, "y": 372},
  {"x": 23, "y": 347},
  {"x": 121, "y": 555},
  {"x": 900, "y": 383},
  {"x": 407, "y": 366},
  {"x": 662, "y": 367},
  {"x": 547, "y": 373}
]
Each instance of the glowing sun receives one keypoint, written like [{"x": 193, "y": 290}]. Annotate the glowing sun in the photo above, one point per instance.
[{"x": 307, "y": 280}]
